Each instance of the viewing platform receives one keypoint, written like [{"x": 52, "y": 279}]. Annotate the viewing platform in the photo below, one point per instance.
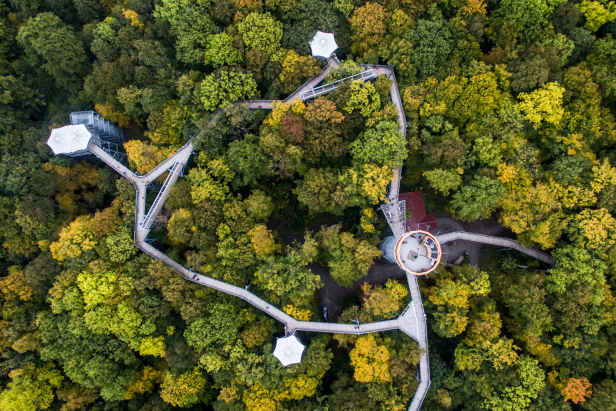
[{"x": 416, "y": 252}]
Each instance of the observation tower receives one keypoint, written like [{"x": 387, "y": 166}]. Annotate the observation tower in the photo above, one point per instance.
[
  {"x": 417, "y": 252},
  {"x": 87, "y": 129}
]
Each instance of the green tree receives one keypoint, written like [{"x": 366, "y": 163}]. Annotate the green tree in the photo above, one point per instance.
[
  {"x": 287, "y": 278},
  {"x": 603, "y": 60},
  {"x": 484, "y": 325},
  {"x": 52, "y": 46},
  {"x": 368, "y": 26},
  {"x": 191, "y": 24},
  {"x": 501, "y": 353},
  {"x": 247, "y": 159},
  {"x": 384, "y": 302},
  {"x": 210, "y": 183},
  {"x": 320, "y": 192},
  {"x": 532, "y": 380},
  {"x": 524, "y": 13},
  {"x": 220, "y": 51},
  {"x": 451, "y": 299},
  {"x": 225, "y": 86},
  {"x": 603, "y": 396},
  {"x": 364, "y": 98},
  {"x": 597, "y": 13},
  {"x": 31, "y": 388},
  {"x": 526, "y": 298},
  {"x": 594, "y": 230},
  {"x": 296, "y": 70},
  {"x": 347, "y": 257},
  {"x": 431, "y": 41},
  {"x": 577, "y": 264},
  {"x": 382, "y": 145},
  {"x": 262, "y": 32},
  {"x": 96, "y": 287},
  {"x": 74, "y": 240},
  {"x": 183, "y": 389},
  {"x": 121, "y": 247},
  {"x": 94, "y": 361},
  {"x": 221, "y": 325},
  {"x": 443, "y": 180},
  {"x": 259, "y": 205},
  {"x": 477, "y": 199},
  {"x": 543, "y": 105}
]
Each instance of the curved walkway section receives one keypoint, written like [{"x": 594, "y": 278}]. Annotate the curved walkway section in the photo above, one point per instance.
[
  {"x": 412, "y": 320},
  {"x": 497, "y": 241}
]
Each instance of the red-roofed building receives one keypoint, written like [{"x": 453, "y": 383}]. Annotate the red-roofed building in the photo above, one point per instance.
[{"x": 414, "y": 203}]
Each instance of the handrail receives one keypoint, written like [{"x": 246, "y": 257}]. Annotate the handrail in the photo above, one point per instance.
[
  {"x": 487, "y": 239},
  {"x": 329, "y": 87},
  {"x": 149, "y": 216},
  {"x": 331, "y": 62}
]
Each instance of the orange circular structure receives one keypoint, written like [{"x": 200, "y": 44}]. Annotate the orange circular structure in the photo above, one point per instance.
[{"x": 418, "y": 252}]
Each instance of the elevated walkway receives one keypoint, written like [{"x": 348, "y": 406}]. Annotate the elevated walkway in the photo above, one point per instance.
[
  {"x": 328, "y": 88},
  {"x": 175, "y": 171},
  {"x": 496, "y": 241},
  {"x": 395, "y": 214},
  {"x": 412, "y": 321},
  {"x": 417, "y": 317}
]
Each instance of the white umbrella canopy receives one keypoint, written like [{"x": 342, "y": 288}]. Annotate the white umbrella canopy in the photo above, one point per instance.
[
  {"x": 289, "y": 350},
  {"x": 69, "y": 139},
  {"x": 323, "y": 44}
]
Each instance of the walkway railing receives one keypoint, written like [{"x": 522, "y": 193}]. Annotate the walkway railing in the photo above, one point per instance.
[
  {"x": 174, "y": 171},
  {"x": 395, "y": 213},
  {"x": 328, "y": 88},
  {"x": 422, "y": 334},
  {"x": 498, "y": 241}
]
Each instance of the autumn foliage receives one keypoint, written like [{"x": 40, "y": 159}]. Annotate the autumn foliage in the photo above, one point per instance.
[{"x": 577, "y": 390}]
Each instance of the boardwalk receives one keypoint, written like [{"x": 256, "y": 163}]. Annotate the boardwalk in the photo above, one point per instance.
[
  {"x": 412, "y": 321},
  {"x": 497, "y": 241},
  {"x": 332, "y": 63}
]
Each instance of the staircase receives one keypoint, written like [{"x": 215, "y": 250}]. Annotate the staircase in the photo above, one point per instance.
[{"x": 174, "y": 172}]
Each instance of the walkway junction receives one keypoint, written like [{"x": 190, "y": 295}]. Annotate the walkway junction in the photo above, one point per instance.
[{"x": 417, "y": 252}]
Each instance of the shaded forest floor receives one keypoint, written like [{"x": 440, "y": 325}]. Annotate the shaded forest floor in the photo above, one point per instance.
[{"x": 337, "y": 297}]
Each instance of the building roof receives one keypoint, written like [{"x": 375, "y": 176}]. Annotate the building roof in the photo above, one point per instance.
[
  {"x": 323, "y": 44},
  {"x": 289, "y": 350},
  {"x": 69, "y": 139},
  {"x": 414, "y": 202}
]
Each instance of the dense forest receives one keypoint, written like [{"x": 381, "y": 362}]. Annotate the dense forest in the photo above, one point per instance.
[{"x": 510, "y": 107}]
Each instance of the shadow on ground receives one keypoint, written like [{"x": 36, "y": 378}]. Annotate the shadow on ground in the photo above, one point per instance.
[{"x": 333, "y": 295}]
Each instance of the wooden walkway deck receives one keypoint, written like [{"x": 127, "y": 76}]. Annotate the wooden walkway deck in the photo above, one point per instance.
[
  {"x": 496, "y": 241},
  {"x": 332, "y": 63},
  {"x": 412, "y": 321}
]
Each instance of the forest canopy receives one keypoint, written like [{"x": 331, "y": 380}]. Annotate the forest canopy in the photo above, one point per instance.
[{"x": 510, "y": 110}]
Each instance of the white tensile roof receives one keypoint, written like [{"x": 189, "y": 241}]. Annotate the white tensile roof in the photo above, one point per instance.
[
  {"x": 69, "y": 139},
  {"x": 323, "y": 44},
  {"x": 289, "y": 350}
]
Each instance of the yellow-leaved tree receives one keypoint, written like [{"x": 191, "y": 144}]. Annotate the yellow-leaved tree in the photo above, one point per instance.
[
  {"x": 543, "y": 105},
  {"x": 370, "y": 360},
  {"x": 144, "y": 156}
]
